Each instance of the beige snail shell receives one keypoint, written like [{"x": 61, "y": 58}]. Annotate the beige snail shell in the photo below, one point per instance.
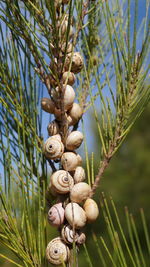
[
  {"x": 53, "y": 147},
  {"x": 91, "y": 210},
  {"x": 57, "y": 251},
  {"x": 75, "y": 215},
  {"x": 62, "y": 182},
  {"x": 68, "y": 77},
  {"x": 74, "y": 114},
  {"x": 81, "y": 239},
  {"x": 77, "y": 62},
  {"x": 74, "y": 140},
  {"x": 80, "y": 192},
  {"x": 68, "y": 235},
  {"x": 68, "y": 97},
  {"x": 69, "y": 47},
  {"x": 70, "y": 161},
  {"x": 48, "y": 105},
  {"x": 56, "y": 215},
  {"x": 79, "y": 175},
  {"x": 53, "y": 128}
]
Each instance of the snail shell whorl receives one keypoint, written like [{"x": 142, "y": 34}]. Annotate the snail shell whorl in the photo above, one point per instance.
[
  {"x": 53, "y": 147},
  {"x": 80, "y": 192},
  {"x": 79, "y": 175},
  {"x": 74, "y": 140},
  {"x": 70, "y": 161},
  {"x": 68, "y": 97},
  {"x": 69, "y": 236},
  {"x": 57, "y": 251},
  {"x": 53, "y": 128},
  {"x": 56, "y": 215},
  {"x": 75, "y": 215},
  {"x": 91, "y": 210},
  {"x": 62, "y": 182}
]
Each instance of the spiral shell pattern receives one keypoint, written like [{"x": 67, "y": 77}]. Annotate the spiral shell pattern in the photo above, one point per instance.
[
  {"x": 53, "y": 148},
  {"x": 68, "y": 235},
  {"x": 62, "y": 181},
  {"x": 56, "y": 215},
  {"x": 57, "y": 252}
]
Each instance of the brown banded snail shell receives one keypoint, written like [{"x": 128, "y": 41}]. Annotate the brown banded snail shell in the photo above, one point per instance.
[
  {"x": 53, "y": 128},
  {"x": 80, "y": 192},
  {"x": 53, "y": 147},
  {"x": 56, "y": 215},
  {"x": 74, "y": 114},
  {"x": 74, "y": 140},
  {"x": 68, "y": 97},
  {"x": 62, "y": 182},
  {"x": 70, "y": 161},
  {"x": 91, "y": 210},
  {"x": 68, "y": 77},
  {"x": 57, "y": 252},
  {"x": 69, "y": 236},
  {"x": 75, "y": 215},
  {"x": 48, "y": 105},
  {"x": 79, "y": 175}
]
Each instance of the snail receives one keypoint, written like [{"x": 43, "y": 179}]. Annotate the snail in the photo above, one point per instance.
[
  {"x": 53, "y": 147},
  {"x": 76, "y": 64},
  {"x": 56, "y": 215},
  {"x": 61, "y": 182},
  {"x": 48, "y": 105},
  {"x": 79, "y": 175},
  {"x": 91, "y": 210},
  {"x": 70, "y": 161},
  {"x": 80, "y": 192},
  {"x": 68, "y": 77},
  {"x": 74, "y": 114},
  {"x": 75, "y": 215},
  {"x": 69, "y": 47},
  {"x": 68, "y": 97},
  {"x": 57, "y": 251},
  {"x": 53, "y": 128},
  {"x": 69, "y": 236},
  {"x": 74, "y": 140}
]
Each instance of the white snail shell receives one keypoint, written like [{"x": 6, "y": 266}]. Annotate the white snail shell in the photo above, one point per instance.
[
  {"x": 62, "y": 182},
  {"x": 57, "y": 251},
  {"x": 74, "y": 140},
  {"x": 53, "y": 147},
  {"x": 68, "y": 97},
  {"x": 70, "y": 161},
  {"x": 79, "y": 175},
  {"x": 69, "y": 236},
  {"x": 74, "y": 114},
  {"x": 75, "y": 215},
  {"x": 53, "y": 128},
  {"x": 80, "y": 192},
  {"x": 56, "y": 215},
  {"x": 91, "y": 210},
  {"x": 48, "y": 105},
  {"x": 68, "y": 77}
]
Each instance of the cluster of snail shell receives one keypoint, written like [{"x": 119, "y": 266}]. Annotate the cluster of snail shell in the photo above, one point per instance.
[{"x": 77, "y": 208}]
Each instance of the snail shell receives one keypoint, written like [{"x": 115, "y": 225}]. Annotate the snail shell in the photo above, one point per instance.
[
  {"x": 79, "y": 175},
  {"x": 91, "y": 209},
  {"x": 57, "y": 251},
  {"x": 77, "y": 62},
  {"x": 81, "y": 239},
  {"x": 62, "y": 182},
  {"x": 53, "y": 128},
  {"x": 53, "y": 147},
  {"x": 74, "y": 140},
  {"x": 69, "y": 236},
  {"x": 68, "y": 97},
  {"x": 48, "y": 105},
  {"x": 70, "y": 161},
  {"x": 69, "y": 47},
  {"x": 74, "y": 114},
  {"x": 75, "y": 215},
  {"x": 80, "y": 192},
  {"x": 63, "y": 27},
  {"x": 56, "y": 215},
  {"x": 68, "y": 77}
]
